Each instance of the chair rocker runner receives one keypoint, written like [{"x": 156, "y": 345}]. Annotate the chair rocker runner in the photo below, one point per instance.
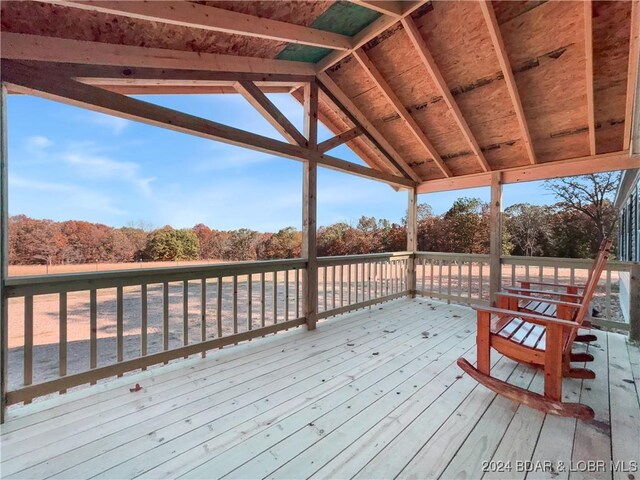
[{"x": 541, "y": 340}]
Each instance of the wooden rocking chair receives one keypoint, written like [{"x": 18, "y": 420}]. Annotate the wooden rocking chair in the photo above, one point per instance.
[
  {"x": 539, "y": 340},
  {"x": 570, "y": 293}
]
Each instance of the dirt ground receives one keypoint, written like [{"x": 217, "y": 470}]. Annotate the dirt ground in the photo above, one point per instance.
[{"x": 46, "y": 312}]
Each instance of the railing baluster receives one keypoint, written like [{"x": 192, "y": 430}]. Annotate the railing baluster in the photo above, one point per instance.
[
  {"x": 275, "y": 297},
  {"x": 203, "y": 312},
  {"x": 165, "y": 316},
  {"x": 349, "y": 284},
  {"x": 431, "y": 275},
  {"x": 235, "y": 304},
  {"x": 608, "y": 298},
  {"x": 263, "y": 299},
  {"x": 440, "y": 277},
  {"x": 185, "y": 313},
  {"x": 459, "y": 262},
  {"x": 480, "y": 265},
  {"x": 28, "y": 340},
  {"x": 572, "y": 279},
  {"x": 219, "y": 306},
  {"x": 324, "y": 288},
  {"x": 364, "y": 280},
  {"x": 356, "y": 282},
  {"x": 93, "y": 329},
  {"x": 526, "y": 272},
  {"x": 555, "y": 274},
  {"x": 540, "y": 273},
  {"x": 470, "y": 279},
  {"x": 62, "y": 348},
  {"x": 333, "y": 286},
  {"x": 449, "y": 281},
  {"x": 513, "y": 275},
  {"x": 297, "y": 292},
  {"x": 119, "y": 325},
  {"x": 342, "y": 285},
  {"x": 250, "y": 302},
  {"x": 286, "y": 295},
  {"x": 375, "y": 278},
  {"x": 424, "y": 270}
]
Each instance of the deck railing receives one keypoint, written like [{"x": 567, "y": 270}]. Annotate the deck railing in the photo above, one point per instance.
[
  {"x": 128, "y": 320},
  {"x": 73, "y": 329},
  {"x": 350, "y": 282},
  {"x": 464, "y": 278}
]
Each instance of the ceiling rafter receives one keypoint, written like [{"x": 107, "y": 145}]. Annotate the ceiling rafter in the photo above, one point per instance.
[
  {"x": 633, "y": 83},
  {"x": 427, "y": 59},
  {"x": 541, "y": 171},
  {"x": 498, "y": 45},
  {"x": 193, "y": 15},
  {"x": 50, "y": 85},
  {"x": 270, "y": 112},
  {"x": 588, "y": 48},
  {"x": 401, "y": 110},
  {"x": 386, "y": 7},
  {"x": 369, "y": 33},
  {"x": 345, "y": 104},
  {"x": 339, "y": 139},
  {"x": 19, "y": 46}
]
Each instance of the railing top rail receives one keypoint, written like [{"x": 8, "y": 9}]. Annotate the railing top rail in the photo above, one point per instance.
[
  {"x": 67, "y": 282},
  {"x": 455, "y": 256},
  {"x": 560, "y": 262},
  {"x": 343, "y": 259}
]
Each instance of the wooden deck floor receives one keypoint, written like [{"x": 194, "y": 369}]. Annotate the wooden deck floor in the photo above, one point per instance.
[{"x": 370, "y": 394}]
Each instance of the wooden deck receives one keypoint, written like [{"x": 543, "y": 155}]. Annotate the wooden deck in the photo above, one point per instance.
[{"x": 370, "y": 394}]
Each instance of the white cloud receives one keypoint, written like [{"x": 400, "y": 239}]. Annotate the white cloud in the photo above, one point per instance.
[
  {"x": 100, "y": 167},
  {"x": 37, "y": 142},
  {"x": 115, "y": 124},
  {"x": 67, "y": 197}
]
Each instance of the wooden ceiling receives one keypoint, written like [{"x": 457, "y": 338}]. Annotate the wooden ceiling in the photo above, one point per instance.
[{"x": 440, "y": 93}]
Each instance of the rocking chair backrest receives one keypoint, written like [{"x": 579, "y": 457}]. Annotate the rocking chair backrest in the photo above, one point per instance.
[{"x": 594, "y": 278}]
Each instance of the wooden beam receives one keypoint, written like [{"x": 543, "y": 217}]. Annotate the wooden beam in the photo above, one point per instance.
[
  {"x": 386, "y": 7},
  {"x": 18, "y": 46},
  {"x": 633, "y": 83},
  {"x": 182, "y": 90},
  {"x": 339, "y": 139},
  {"x": 108, "y": 75},
  {"x": 412, "y": 240},
  {"x": 49, "y": 85},
  {"x": 376, "y": 28},
  {"x": 505, "y": 66},
  {"x": 193, "y": 15},
  {"x": 270, "y": 112},
  {"x": 4, "y": 253},
  {"x": 606, "y": 162},
  {"x": 426, "y": 57},
  {"x": 391, "y": 96},
  {"x": 588, "y": 49},
  {"x": 309, "y": 208},
  {"x": 346, "y": 105},
  {"x": 495, "y": 237}
]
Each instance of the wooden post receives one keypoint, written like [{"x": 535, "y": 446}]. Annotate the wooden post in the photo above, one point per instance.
[
  {"x": 309, "y": 189},
  {"x": 4, "y": 253},
  {"x": 634, "y": 304},
  {"x": 495, "y": 237},
  {"x": 412, "y": 241}
]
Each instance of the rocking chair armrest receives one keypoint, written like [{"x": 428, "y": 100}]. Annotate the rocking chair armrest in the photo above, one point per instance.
[
  {"x": 539, "y": 299},
  {"x": 530, "y": 317},
  {"x": 548, "y": 284},
  {"x": 544, "y": 292}
]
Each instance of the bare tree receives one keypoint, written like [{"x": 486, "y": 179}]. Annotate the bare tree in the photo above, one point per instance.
[
  {"x": 590, "y": 195},
  {"x": 528, "y": 227}
]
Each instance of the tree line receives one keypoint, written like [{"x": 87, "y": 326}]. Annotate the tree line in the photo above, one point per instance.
[{"x": 573, "y": 228}]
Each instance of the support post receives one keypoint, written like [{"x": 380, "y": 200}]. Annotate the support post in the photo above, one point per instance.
[
  {"x": 309, "y": 190},
  {"x": 634, "y": 304},
  {"x": 412, "y": 240},
  {"x": 495, "y": 237},
  {"x": 4, "y": 253}
]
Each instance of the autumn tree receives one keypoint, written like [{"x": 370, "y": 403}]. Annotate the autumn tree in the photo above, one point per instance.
[
  {"x": 169, "y": 244},
  {"x": 240, "y": 245},
  {"x": 529, "y": 228},
  {"x": 589, "y": 195},
  {"x": 286, "y": 243}
]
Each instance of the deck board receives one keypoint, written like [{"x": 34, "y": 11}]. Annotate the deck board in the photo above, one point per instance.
[{"x": 370, "y": 394}]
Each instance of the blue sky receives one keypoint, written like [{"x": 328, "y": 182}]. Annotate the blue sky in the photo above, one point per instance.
[{"x": 71, "y": 163}]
